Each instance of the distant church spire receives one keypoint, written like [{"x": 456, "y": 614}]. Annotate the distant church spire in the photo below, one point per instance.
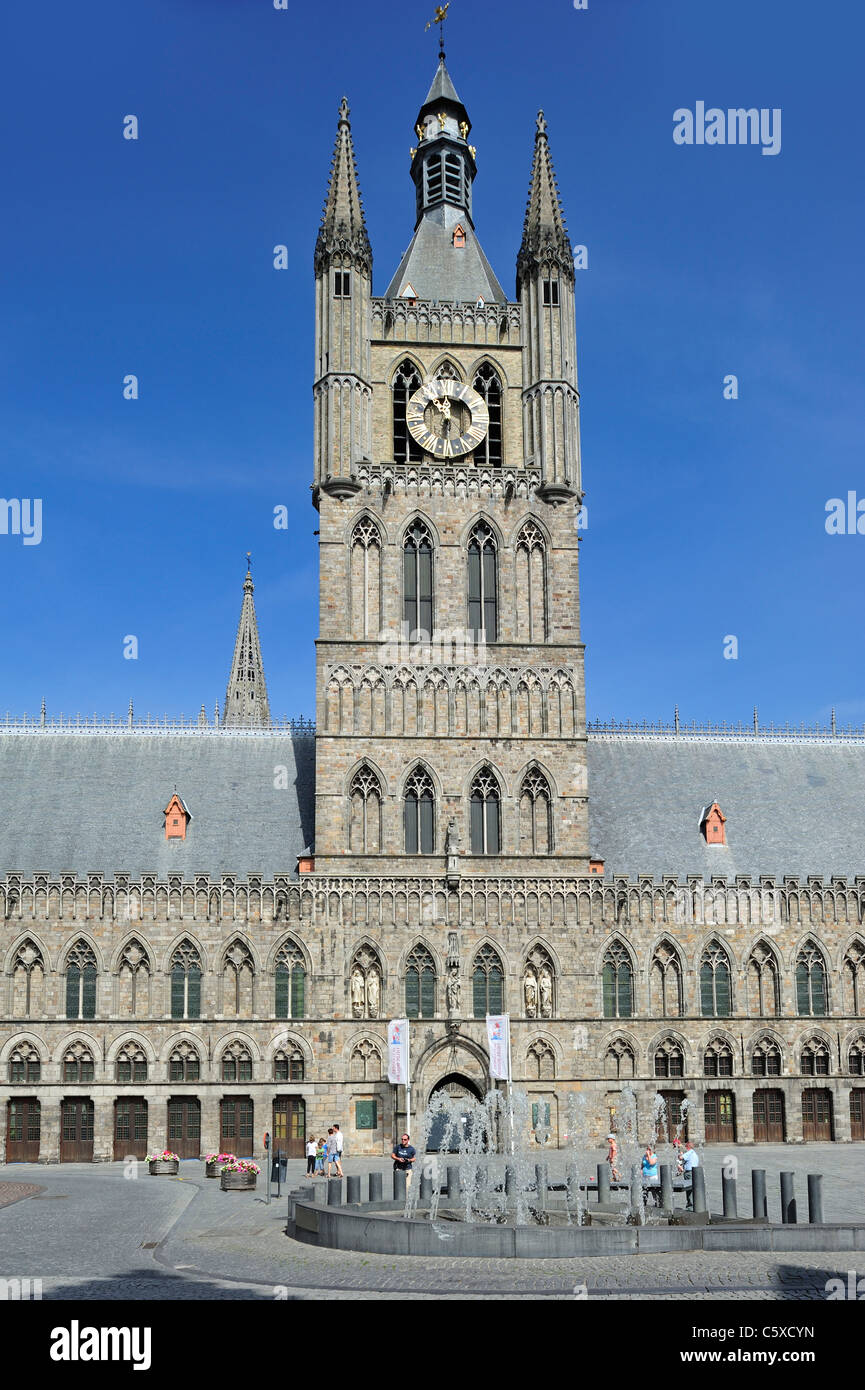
[
  {"x": 343, "y": 226},
  {"x": 246, "y": 696},
  {"x": 545, "y": 236}
]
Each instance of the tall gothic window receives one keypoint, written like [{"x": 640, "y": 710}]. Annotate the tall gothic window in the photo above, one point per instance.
[
  {"x": 815, "y": 1058},
  {"x": 186, "y": 982},
  {"x": 417, "y": 576},
  {"x": 536, "y": 814},
  {"x": 405, "y": 382},
  {"x": 365, "y": 590},
  {"x": 236, "y": 1063},
  {"x": 854, "y": 980},
  {"x": 811, "y": 982},
  {"x": 131, "y": 1064},
  {"x": 288, "y": 1064},
  {"x": 619, "y": 1062},
  {"x": 715, "y": 982},
  {"x": 24, "y": 1065},
  {"x": 420, "y": 984},
  {"x": 618, "y": 982},
  {"x": 419, "y": 811},
  {"x": 718, "y": 1058},
  {"x": 530, "y": 596},
  {"x": 184, "y": 1064},
  {"x": 134, "y": 981},
  {"x": 666, "y": 982},
  {"x": 483, "y": 601},
  {"x": 28, "y": 980},
  {"x": 669, "y": 1059},
  {"x": 488, "y": 385},
  {"x": 81, "y": 982},
  {"x": 365, "y": 812},
  {"x": 485, "y": 813},
  {"x": 237, "y": 978},
  {"x": 488, "y": 983},
  {"x": 78, "y": 1063},
  {"x": 766, "y": 1058},
  {"x": 764, "y": 1000},
  {"x": 290, "y": 974},
  {"x": 365, "y": 1062}
]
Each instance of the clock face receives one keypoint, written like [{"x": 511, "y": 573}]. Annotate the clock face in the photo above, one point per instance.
[{"x": 446, "y": 418}]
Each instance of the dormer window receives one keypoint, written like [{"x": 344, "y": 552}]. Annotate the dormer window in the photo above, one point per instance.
[
  {"x": 551, "y": 293},
  {"x": 712, "y": 825},
  {"x": 342, "y": 284},
  {"x": 596, "y": 866},
  {"x": 408, "y": 293},
  {"x": 459, "y": 237},
  {"x": 177, "y": 818}
]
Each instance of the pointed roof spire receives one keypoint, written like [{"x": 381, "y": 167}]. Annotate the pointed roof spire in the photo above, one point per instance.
[
  {"x": 343, "y": 225},
  {"x": 246, "y": 696},
  {"x": 545, "y": 235}
]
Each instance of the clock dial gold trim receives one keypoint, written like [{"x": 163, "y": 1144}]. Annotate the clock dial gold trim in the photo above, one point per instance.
[{"x": 446, "y": 446}]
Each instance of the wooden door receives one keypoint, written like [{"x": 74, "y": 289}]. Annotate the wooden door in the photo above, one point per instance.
[
  {"x": 130, "y": 1128},
  {"x": 817, "y": 1114},
  {"x": 769, "y": 1117},
  {"x": 857, "y": 1114},
  {"x": 76, "y": 1131},
  {"x": 289, "y": 1125},
  {"x": 184, "y": 1127},
  {"x": 719, "y": 1108},
  {"x": 235, "y": 1126},
  {"x": 23, "y": 1127},
  {"x": 675, "y": 1126}
]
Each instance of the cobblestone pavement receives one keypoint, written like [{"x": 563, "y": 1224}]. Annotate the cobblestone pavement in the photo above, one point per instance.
[
  {"x": 15, "y": 1191},
  {"x": 92, "y": 1233}
]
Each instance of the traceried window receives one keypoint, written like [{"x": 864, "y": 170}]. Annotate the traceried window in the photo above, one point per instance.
[
  {"x": 540, "y": 1061},
  {"x": 236, "y": 1063},
  {"x": 365, "y": 1062},
  {"x": 78, "y": 1063},
  {"x": 184, "y": 1064},
  {"x": 186, "y": 982},
  {"x": 815, "y": 1058},
  {"x": 764, "y": 999},
  {"x": 619, "y": 1061},
  {"x": 666, "y": 982},
  {"x": 536, "y": 814},
  {"x": 419, "y": 812},
  {"x": 488, "y": 983},
  {"x": 811, "y": 994},
  {"x": 28, "y": 981},
  {"x": 669, "y": 1059},
  {"x": 288, "y": 1065},
  {"x": 715, "y": 982},
  {"x": 618, "y": 982},
  {"x": 405, "y": 382},
  {"x": 417, "y": 577},
  {"x": 365, "y": 812},
  {"x": 24, "y": 1064},
  {"x": 290, "y": 974},
  {"x": 483, "y": 600},
  {"x": 237, "y": 978},
  {"x": 81, "y": 982},
  {"x": 766, "y": 1058},
  {"x": 530, "y": 596},
  {"x": 365, "y": 594},
  {"x": 133, "y": 983},
  {"x": 856, "y": 1057},
  {"x": 488, "y": 385},
  {"x": 718, "y": 1058},
  {"x": 485, "y": 805},
  {"x": 854, "y": 980},
  {"x": 420, "y": 984},
  {"x": 131, "y": 1064}
]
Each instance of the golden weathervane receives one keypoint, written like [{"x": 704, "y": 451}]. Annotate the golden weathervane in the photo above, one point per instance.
[{"x": 439, "y": 18}]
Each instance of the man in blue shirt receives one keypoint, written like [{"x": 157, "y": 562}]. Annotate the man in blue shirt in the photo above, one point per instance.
[{"x": 403, "y": 1156}]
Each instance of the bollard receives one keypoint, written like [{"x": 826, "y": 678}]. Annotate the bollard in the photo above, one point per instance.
[
  {"x": 352, "y": 1188},
  {"x": 426, "y": 1185},
  {"x": 698, "y": 1188},
  {"x": 375, "y": 1187},
  {"x": 603, "y": 1182},
  {"x": 453, "y": 1182},
  {"x": 758, "y": 1194},
  {"x": 666, "y": 1172},
  {"x": 729, "y": 1195},
  {"x": 788, "y": 1201},
  {"x": 815, "y": 1199},
  {"x": 334, "y": 1192},
  {"x": 399, "y": 1184},
  {"x": 541, "y": 1181}
]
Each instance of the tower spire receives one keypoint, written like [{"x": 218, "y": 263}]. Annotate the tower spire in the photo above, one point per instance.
[
  {"x": 343, "y": 226},
  {"x": 545, "y": 236},
  {"x": 246, "y": 696}
]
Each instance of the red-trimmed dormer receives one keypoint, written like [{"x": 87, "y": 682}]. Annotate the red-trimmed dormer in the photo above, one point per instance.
[
  {"x": 459, "y": 236},
  {"x": 712, "y": 825},
  {"x": 177, "y": 818}
]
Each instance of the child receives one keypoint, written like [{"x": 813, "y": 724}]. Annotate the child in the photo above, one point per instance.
[{"x": 319, "y": 1159}]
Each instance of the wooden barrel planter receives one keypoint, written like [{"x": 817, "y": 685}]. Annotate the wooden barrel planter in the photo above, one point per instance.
[
  {"x": 237, "y": 1182},
  {"x": 164, "y": 1168},
  {"x": 211, "y": 1170}
]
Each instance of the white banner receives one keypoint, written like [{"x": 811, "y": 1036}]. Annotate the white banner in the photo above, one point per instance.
[
  {"x": 499, "y": 1041},
  {"x": 397, "y": 1051}
]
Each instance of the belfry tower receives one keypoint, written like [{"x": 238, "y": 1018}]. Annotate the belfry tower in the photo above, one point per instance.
[{"x": 449, "y": 697}]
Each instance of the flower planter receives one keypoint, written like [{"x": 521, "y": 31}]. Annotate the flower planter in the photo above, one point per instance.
[
  {"x": 163, "y": 1167},
  {"x": 211, "y": 1170},
  {"x": 238, "y": 1182}
]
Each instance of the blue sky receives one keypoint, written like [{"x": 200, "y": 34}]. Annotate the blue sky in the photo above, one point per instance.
[{"x": 154, "y": 257}]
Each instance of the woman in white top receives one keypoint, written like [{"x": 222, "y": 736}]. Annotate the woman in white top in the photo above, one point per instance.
[{"x": 310, "y": 1156}]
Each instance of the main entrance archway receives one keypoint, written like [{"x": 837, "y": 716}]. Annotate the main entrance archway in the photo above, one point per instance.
[{"x": 457, "y": 1087}]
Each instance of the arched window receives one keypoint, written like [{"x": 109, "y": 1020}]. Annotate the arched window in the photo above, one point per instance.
[
  {"x": 764, "y": 1000},
  {"x": 365, "y": 812},
  {"x": 365, "y": 984},
  {"x": 419, "y": 813},
  {"x": 186, "y": 982},
  {"x": 619, "y": 1061},
  {"x": 236, "y": 1063},
  {"x": 811, "y": 982},
  {"x": 184, "y": 1063},
  {"x": 815, "y": 1058},
  {"x": 134, "y": 981},
  {"x": 288, "y": 1065},
  {"x": 81, "y": 982},
  {"x": 483, "y": 600},
  {"x": 365, "y": 590},
  {"x": 131, "y": 1063},
  {"x": 28, "y": 981},
  {"x": 538, "y": 984},
  {"x": 290, "y": 974},
  {"x": 766, "y": 1058},
  {"x": 854, "y": 979},
  {"x": 718, "y": 1058},
  {"x": 530, "y": 594},
  {"x": 669, "y": 1059},
  {"x": 666, "y": 982},
  {"x": 365, "y": 1062},
  {"x": 540, "y": 1061},
  {"x": 856, "y": 1058},
  {"x": 78, "y": 1063},
  {"x": 417, "y": 577},
  {"x": 488, "y": 384},
  {"x": 405, "y": 382},
  {"x": 485, "y": 805},
  {"x": 715, "y": 982},
  {"x": 488, "y": 983},
  {"x": 420, "y": 984},
  {"x": 536, "y": 814},
  {"x": 618, "y": 982},
  {"x": 24, "y": 1064},
  {"x": 237, "y": 977}
]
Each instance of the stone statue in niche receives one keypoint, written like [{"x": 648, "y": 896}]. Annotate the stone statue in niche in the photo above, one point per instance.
[
  {"x": 357, "y": 992},
  {"x": 546, "y": 993},
  {"x": 452, "y": 838},
  {"x": 373, "y": 993},
  {"x": 452, "y": 992},
  {"x": 530, "y": 991}
]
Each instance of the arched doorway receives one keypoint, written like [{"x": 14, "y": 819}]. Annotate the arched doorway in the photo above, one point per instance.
[{"x": 457, "y": 1087}]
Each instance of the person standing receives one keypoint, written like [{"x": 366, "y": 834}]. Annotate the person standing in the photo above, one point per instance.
[
  {"x": 320, "y": 1154},
  {"x": 690, "y": 1161},
  {"x": 612, "y": 1155},
  {"x": 310, "y": 1155},
  {"x": 403, "y": 1156},
  {"x": 650, "y": 1176},
  {"x": 338, "y": 1141},
  {"x": 330, "y": 1151}
]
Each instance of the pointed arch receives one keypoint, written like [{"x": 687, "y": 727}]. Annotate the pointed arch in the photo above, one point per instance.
[
  {"x": 483, "y": 584},
  {"x": 853, "y": 978},
  {"x": 418, "y": 576},
  {"x": 718, "y": 1056},
  {"x": 716, "y": 980},
  {"x": 812, "y": 981},
  {"x": 815, "y": 1055},
  {"x": 540, "y": 1061},
  {"x": 665, "y": 980},
  {"x": 365, "y": 577},
  {"x": 530, "y": 586},
  {"x": 420, "y": 982},
  {"x": 446, "y": 368},
  {"x": 405, "y": 380},
  {"x": 536, "y": 813},
  {"x": 487, "y": 381},
  {"x": 290, "y": 976},
  {"x": 81, "y": 977},
  {"x": 27, "y": 968},
  {"x": 185, "y": 973},
  {"x": 617, "y": 980},
  {"x": 419, "y": 810},
  {"x": 238, "y": 976},
  {"x": 365, "y": 979},
  {"x": 235, "y": 1061},
  {"x": 765, "y": 1054},
  {"x": 133, "y": 972},
  {"x": 763, "y": 980},
  {"x": 485, "y": 812},
  {"x": 488, "y": 981},
  {"x": 539, "y": 982},
  {"x": 365, "y": 811},
  {"x": 668, "y": 1057},
  {"x": 620, "y": 1059}
]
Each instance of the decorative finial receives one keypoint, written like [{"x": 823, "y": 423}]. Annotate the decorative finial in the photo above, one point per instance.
[
  {"x": 439, "y": 18},
  {"x": 542, "y": 125},
  {"x": 248, "y": 561},
  {"x": 344, "y": 109}
]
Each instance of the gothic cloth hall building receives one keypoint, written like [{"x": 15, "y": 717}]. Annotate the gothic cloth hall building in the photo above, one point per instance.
[{"x": 205, "y": 926}]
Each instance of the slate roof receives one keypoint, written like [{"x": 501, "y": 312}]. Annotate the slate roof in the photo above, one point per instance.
[
  {"x": 88, "y": 802},
  {"x": 438, "y": 270}
]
